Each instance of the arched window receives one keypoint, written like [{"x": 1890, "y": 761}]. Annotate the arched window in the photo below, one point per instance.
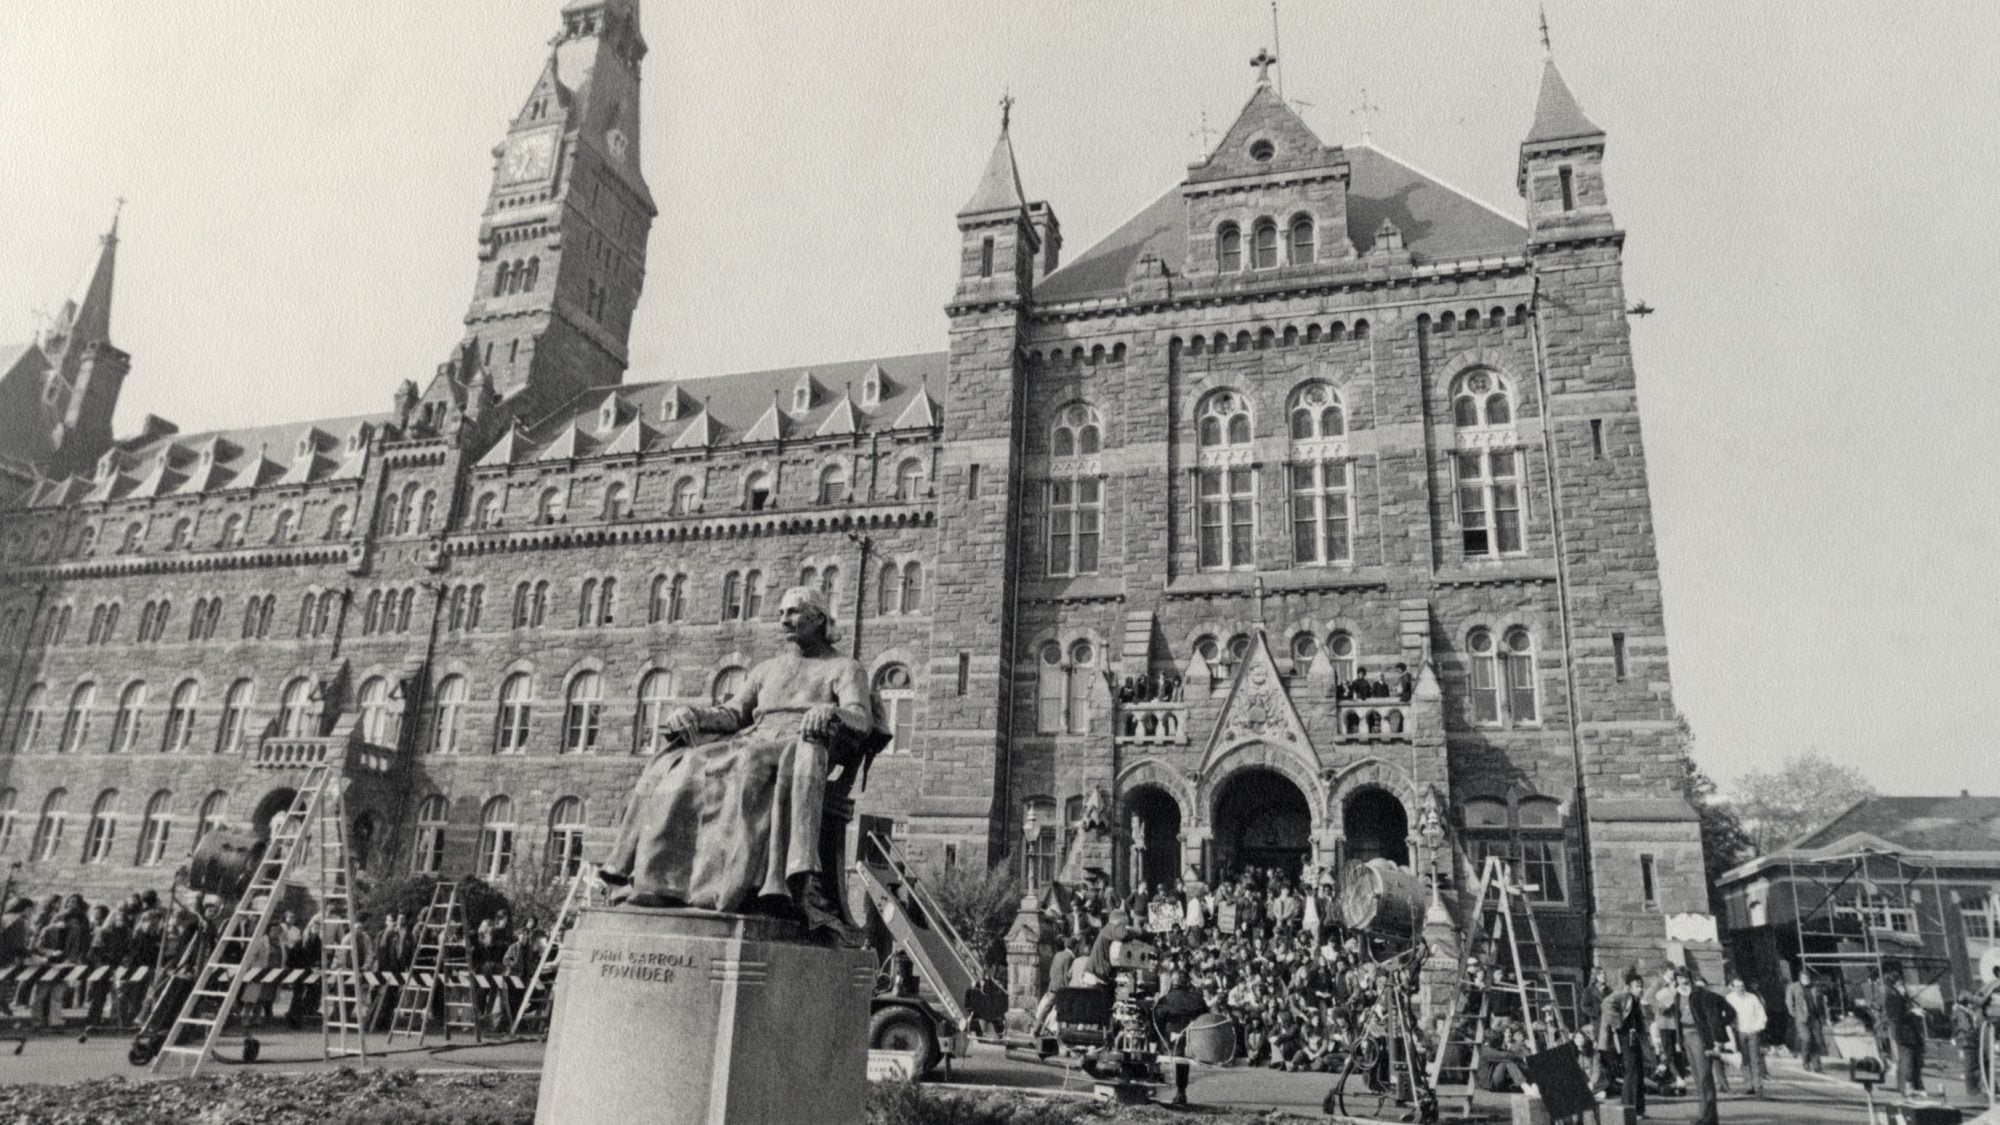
[
  {"x": 131, "y": 715},
  {"x": 34, "y": 717},
  {"x": 617, "y": 501},
  {"x": 516, "y": 709},
  {"x": 49, "y": 828},
  {"x": 374, "y": 703},
  {"x": 656, "y": 694},
  {"x": 180, "y": 717},
  {"x": 1316, "y": 413},
  {"x": 586, "y": 610},
  {"x": 1305, "y": 647},
  {"x": 1082, "y": 670},
  {"x": 486, "y": 513},
  {"x": 371, "y": 618},
  {"x": 1210, "y": 651},
  {"x": 899, "y": 699},
  {"x": 9, "y": 824},
  {"x": 1523, "y": 700},
  {"x": 910, "y": 480},
  {"x": 913, "y": 587},
  {"x": 449, "y": 726},
  {"x": 501, "y": 277},
  {"x": 294, "y": 708},
  {"x": 833, "y": 484},
  {"x": 340, "y": 523},
  {"x": 1239, "y": 648},
  {"x": 1482, "y": 399},
  {"x": 552, "y": 506},
  {"x": 732, "y": 596},
  {"x": 183, "y": 535},
  {"x": 886, "y": 582},
  {"x": 497, "y": 839},
  {"x": 281, "y": 528},
  {"x": 685, "y": 497},
  {"x": 1051, "y": 684},
  {"x": 677, "y": 598},
  {"x": 1078, "y": 432},
  {"x": 427, "y": 857},
  {"x": 538, "y": 604},
  {"x": 474, "y": 602},
  {"x": 1302, "y": 240},
  {"x": 583, "y": 713},
  {"x": 1264, "y": 244},
  {"x": 154, "y": 829},
  {"x": 534, "y": 274},
  {"x": 728, "y": 682},
  {"x": 76, "y": 722},
  {"x": 135, "y": 537},
  {"x": 214, "y": 810},
  {"x": 103, "y": 832},
  {"x": 753, "y": 595},
  {"x": 1340, "y": 650},
  {"x": 829, "y": 585},
  {"x": 426, "y": 512},
  {"x": 235, "y": 715},
  {"x": 1484, "y": 813},
  {"x": 757, "y": 491},
  {"x": 1229, "y": 248},
  {"x": 565, "y": 849},
  {"x": 1224, "y": 420}
]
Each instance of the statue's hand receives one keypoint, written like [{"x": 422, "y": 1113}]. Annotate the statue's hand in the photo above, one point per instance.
[
  {"x": 821, "y": 724},
  {"x": 680, "y": 723}
]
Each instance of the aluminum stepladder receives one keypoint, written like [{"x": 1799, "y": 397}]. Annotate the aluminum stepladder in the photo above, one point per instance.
[
  {"x": 1506, "y": 919},
  {"x": 539, "y": 999},
  {"x": 441, "y": 962},
  {"x": 316, "y": 805}
]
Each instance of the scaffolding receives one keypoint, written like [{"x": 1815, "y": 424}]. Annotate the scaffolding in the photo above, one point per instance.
[{"x": 1853, "y": 912}]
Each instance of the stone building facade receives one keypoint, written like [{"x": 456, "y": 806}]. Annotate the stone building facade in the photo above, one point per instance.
[{"x": 1127, "y": 539}]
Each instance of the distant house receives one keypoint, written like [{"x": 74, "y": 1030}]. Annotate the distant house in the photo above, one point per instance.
[{"x": 1913, "y": 880}]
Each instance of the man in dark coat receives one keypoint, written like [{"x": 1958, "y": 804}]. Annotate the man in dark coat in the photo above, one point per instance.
[
  {"x": 1710, "y": 1023},
  {"x": 1622, "y": 1035},
  {"x": 1176, "y": 1008},
  {"x": 1905, "y": 1026}
]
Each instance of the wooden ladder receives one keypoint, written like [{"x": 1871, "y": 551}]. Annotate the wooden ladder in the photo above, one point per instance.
[
  {"x": 538, "y": 1002},
  {"x": 192, "y": 1036},
  {"x": 1506, "y": 919},
  {"x": 440, "y": 963},
  {"x": 343, "y": 998}
]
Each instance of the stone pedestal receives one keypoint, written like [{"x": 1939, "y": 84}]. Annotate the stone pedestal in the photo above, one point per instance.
[{"x": 685, "y": 1017}]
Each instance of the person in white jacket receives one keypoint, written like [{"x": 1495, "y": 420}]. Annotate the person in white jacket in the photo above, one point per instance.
[{"x": 1750, "y": 1023}]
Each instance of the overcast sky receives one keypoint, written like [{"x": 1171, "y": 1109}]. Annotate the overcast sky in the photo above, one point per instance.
[{"x": 1809, "y": 191}]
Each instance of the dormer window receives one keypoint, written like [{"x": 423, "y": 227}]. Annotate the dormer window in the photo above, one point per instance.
[
  {"x": 670, "y": 408},
  {"x": 1262, "y": 150},
  {"x": 871, "y": 389},
  {"x": 1229, "y": 248},
  {"x": 1264, "y": 245},
  {"x": 607, "y": 416},
  {"x": 305, "y": 446},
  {"x": 802, "y": 398}
]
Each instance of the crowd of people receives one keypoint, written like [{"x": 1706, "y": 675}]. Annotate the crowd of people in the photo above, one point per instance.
[
  {"x": 142, "y": 939},
  {"x": 1300, "y": 993}
]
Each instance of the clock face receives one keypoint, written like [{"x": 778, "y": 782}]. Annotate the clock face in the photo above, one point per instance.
[
  {"x": 617, "y": 142},
  {"x": 530, "y": 157}
]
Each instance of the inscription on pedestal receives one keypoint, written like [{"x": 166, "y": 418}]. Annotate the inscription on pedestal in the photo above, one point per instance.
[{"x": 640, "y": 966}]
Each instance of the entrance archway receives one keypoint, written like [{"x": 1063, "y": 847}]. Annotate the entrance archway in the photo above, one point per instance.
[
  {"x": 1376, "y": 827},
  {"x": 274, "y": 805},
  {"x": 1159, "y": 824},
  {"x": 1261, "y": 820}
]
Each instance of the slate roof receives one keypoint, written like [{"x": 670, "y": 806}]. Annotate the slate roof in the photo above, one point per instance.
[
  {"x": 1437, "y": 222},
  {"x": 1000, "y": 185},
  {"x": 726, "y": 410},
  {"x": 25, "y": 420},
  {"x": 1930, "y": 825}
]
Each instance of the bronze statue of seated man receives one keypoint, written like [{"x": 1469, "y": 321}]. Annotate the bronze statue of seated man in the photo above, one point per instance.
[{"x": 734, "y": 823}]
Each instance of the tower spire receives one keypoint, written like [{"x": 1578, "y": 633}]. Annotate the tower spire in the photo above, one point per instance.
[
  {"x": 90, "y": 315},
  {"x": 1000, "y": 185}
]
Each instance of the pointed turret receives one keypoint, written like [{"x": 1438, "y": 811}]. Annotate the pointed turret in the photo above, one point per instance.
[
  {"x": 1557, "y": 116},
  {"x": 85, "y": 363},
  {"x": 1561, "y": 173},
  {"x": 90, "y": 322},
  {"x": 1000, "y": 185},
  {"x": 1002, "y": 233}
]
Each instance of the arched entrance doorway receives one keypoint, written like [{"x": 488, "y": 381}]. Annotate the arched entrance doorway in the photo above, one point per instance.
[
  {"x": 1261, "y": 820},
  {"x": 1157, "y": 841},
  {"x": 274, "y": 805},
  {"x": 1376, "y": 827}
]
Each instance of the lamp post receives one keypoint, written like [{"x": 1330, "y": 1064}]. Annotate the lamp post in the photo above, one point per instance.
[{"x": 1031, "y": 831}]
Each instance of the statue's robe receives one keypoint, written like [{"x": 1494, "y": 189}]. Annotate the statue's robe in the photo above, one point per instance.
[{"x": 720, "y": 824}]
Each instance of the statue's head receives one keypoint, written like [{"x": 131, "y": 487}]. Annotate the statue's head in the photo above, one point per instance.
[{"x": 804, "y": 617}]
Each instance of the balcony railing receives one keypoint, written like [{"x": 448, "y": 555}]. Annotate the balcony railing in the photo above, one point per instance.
[
  {"x": 1152, "y": 724},
  {"x": 1374, "y": 720},
  {"x": 342, "y": 752}
]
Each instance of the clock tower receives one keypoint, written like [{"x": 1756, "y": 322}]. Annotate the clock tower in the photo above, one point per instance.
[{"x": 562, "y": 244}]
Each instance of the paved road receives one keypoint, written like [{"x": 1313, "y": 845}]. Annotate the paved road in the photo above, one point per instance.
[{"x": 1791, "y": 1096}]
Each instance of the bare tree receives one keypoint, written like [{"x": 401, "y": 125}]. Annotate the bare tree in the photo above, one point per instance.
[{"x": 1803, "y": 794}]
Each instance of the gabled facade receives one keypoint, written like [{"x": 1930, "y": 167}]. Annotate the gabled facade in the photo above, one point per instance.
[{"x": 1308, "y": 504}]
